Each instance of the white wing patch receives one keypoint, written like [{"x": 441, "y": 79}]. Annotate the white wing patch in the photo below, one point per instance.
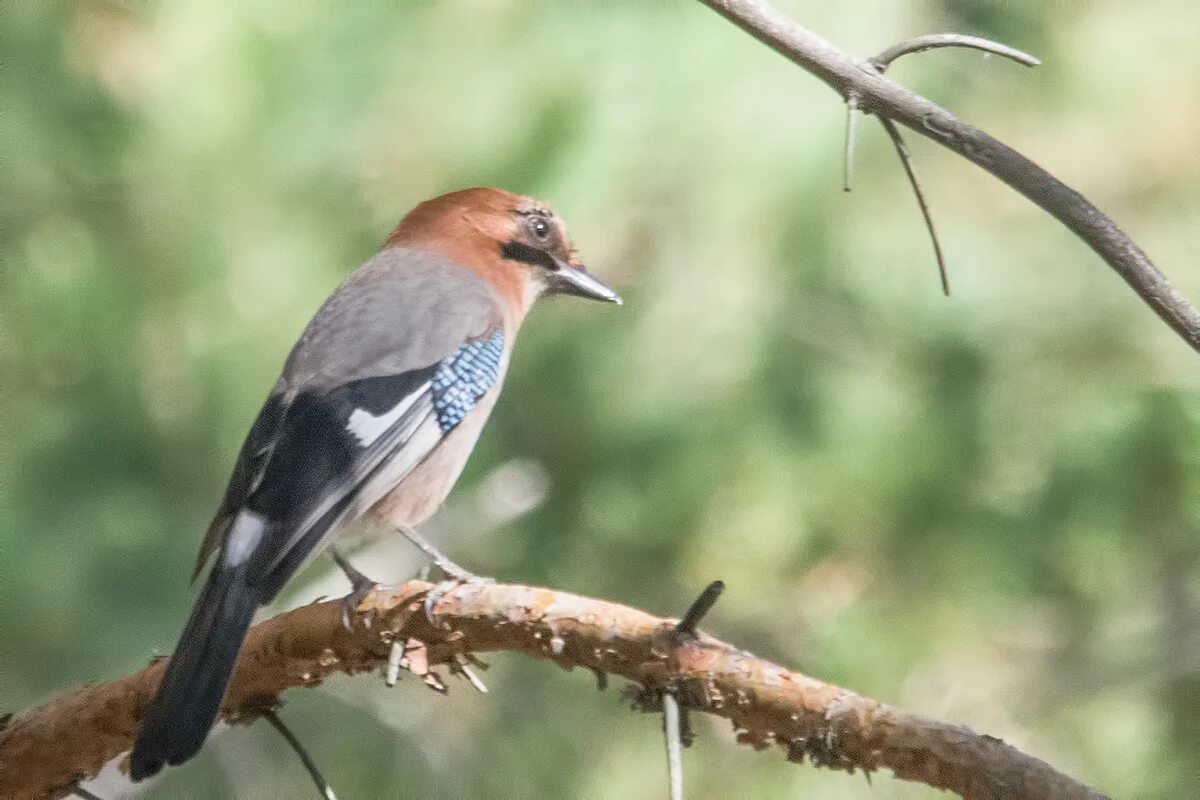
[
  {"x": 244, "y": 536},
  {"x": 418, "y": 445},
  {"x": 367, "y": 427}
]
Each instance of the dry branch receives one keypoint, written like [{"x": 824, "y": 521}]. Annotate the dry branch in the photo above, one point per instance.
[
  {"x": 42, "y": 751},
  {"x": 878, "y": 95}
]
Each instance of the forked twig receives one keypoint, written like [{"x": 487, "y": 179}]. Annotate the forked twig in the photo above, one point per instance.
[
  {"x": 919, "y": 44},
  {"x": 878, "y": 95},
  {"x": 881, "y": 62},
  {"x": 313, "y": 770}
]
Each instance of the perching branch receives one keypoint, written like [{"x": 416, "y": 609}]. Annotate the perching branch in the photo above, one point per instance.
[
  {"x": 876, "y": 94},
  {"x": 44, "y": 750}
]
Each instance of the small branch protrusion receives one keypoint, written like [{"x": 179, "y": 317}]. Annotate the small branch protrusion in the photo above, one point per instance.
[
  {"x": 851, "y": 135},
  {"x": 920, "y": 44},
  {"x": 395, "y": 657},
  {"x": 699, "y": 607},
  {"x": 461, "y": 666}
]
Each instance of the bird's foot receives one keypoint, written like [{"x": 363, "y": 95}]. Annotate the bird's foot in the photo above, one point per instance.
[
  {"x": 440, "y": 590},
  {"x": 455, "y": 575},
  {"x": 361, "y": 587}
]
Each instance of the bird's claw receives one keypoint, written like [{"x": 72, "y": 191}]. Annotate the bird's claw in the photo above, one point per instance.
[
  {"x": 453, "y": 571},
  {"x": 455, "y": 574},
  {"x": 440, "y": 590},
  {"x": 361, "y": 587},
  {"x": 351, "y": 602}
]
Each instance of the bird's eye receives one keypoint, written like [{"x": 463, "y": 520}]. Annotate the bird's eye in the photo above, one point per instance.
[{"x": 540, "y": 228}]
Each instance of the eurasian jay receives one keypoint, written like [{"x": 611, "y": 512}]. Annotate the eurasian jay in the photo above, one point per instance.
[{"x": 378, "y": 407}]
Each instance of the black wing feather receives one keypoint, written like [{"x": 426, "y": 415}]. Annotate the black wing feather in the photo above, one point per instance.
[
  {"x": 247, "y": 473},
  {"x": 317, "y": 466}
]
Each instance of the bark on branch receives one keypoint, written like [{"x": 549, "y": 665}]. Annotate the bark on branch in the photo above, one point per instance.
[
  {"x": 876, "y": 94},
  {"x": 44, "y": 750}
]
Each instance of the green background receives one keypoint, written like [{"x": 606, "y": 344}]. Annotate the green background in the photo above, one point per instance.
[{"x": 982, "y": 508}]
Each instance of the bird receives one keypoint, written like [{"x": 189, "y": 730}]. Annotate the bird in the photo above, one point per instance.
[{"x": 374, "y": 415}]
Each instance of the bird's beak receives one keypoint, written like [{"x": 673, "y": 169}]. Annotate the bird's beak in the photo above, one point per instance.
[{"x": 576, "y": 280}]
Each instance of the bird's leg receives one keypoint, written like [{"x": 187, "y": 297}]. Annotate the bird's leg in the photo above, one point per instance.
[
  {"x": 454, "y": 572},
  {"x": 361, "y": 587},
  {"x": 78, "y": 790}
]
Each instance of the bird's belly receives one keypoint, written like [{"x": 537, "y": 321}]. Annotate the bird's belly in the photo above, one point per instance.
[{"x": 421, "y": 492}]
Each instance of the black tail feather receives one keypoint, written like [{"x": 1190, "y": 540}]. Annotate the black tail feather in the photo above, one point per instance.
[{"x": 178, "y": 719}]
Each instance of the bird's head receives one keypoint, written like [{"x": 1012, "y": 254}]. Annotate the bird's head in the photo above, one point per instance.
[{"x": 514, "y": 241}]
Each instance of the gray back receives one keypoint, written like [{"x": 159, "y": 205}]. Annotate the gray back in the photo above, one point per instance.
[{"x": 404, "y": 309}]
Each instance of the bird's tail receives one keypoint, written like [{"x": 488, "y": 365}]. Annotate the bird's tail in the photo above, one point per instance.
[{"x": 177, "y": 720}]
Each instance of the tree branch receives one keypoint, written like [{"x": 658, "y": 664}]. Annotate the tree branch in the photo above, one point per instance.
[
  {"x": 879, "y": 95},
  {"x": 44, "y": 750}
]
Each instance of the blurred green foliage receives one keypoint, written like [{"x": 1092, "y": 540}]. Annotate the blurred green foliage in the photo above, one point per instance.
[{"x": 982, "y": 509}]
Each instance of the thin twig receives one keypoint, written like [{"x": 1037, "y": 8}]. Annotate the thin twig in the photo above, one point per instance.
[
  {"x": 461, "y": 666},
  {"x": 313, "y": 770},
  {"x": 911, "y": 171},
  {"x": 395, "y": 656},
  {"x": 881, "y": 96},
  {"x": 84, "y": 793},
  {"x": 919, "y": 44},
  {"x": 674, "y": 746},
  {"x": 851, "y": 134}
]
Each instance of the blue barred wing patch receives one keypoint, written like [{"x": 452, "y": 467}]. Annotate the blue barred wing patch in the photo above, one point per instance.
[{"x": 463, "y": 378}]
